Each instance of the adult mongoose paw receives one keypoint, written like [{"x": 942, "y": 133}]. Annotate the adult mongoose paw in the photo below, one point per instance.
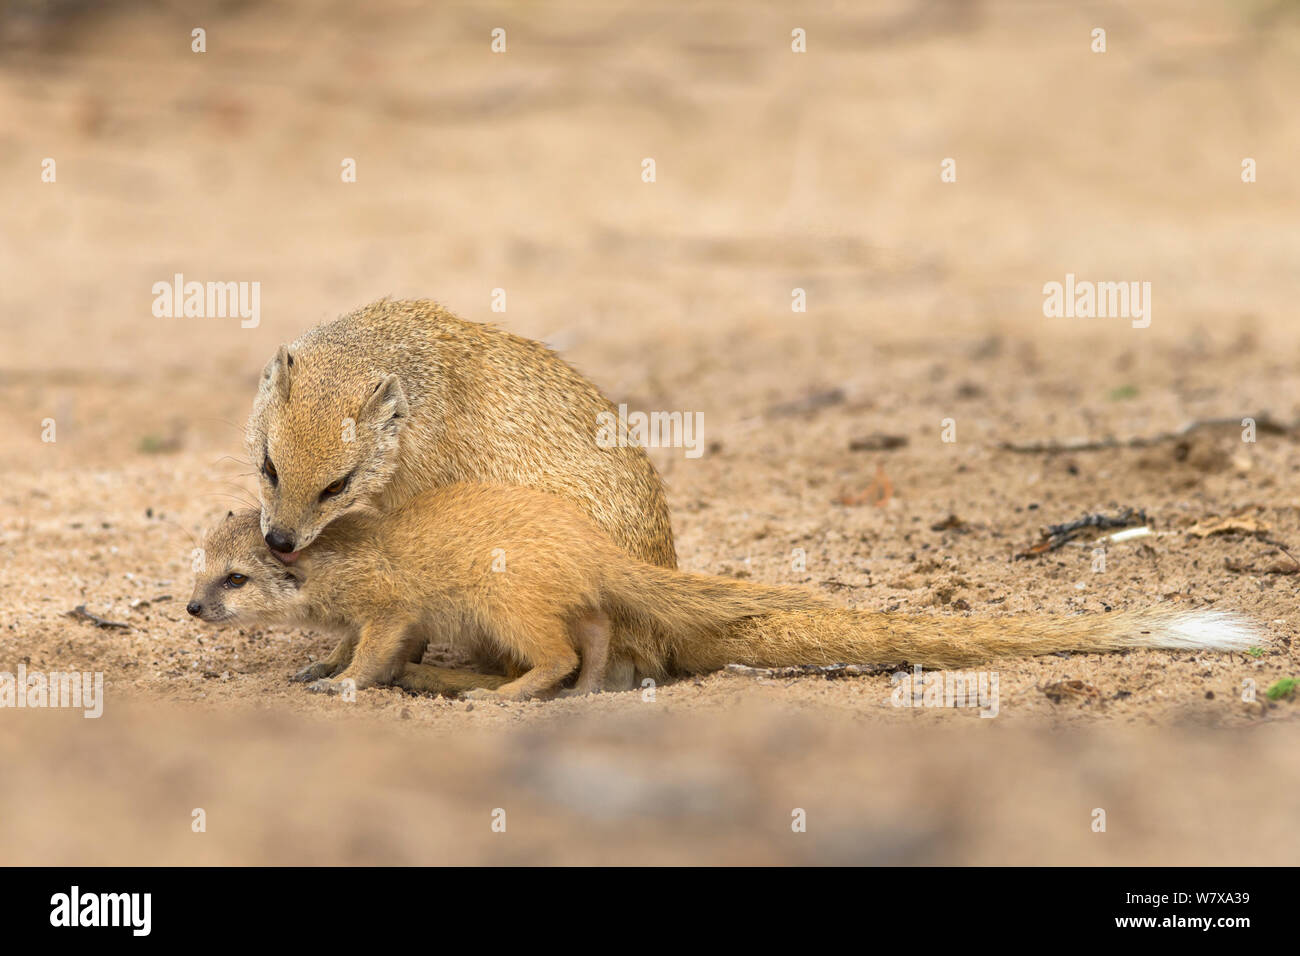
[{"x": 481, "y": 693}]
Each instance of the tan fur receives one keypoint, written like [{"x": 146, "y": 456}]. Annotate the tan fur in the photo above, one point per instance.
[
  {"x": 430, "y": 400},
  {"x": 531, "y": 576}
]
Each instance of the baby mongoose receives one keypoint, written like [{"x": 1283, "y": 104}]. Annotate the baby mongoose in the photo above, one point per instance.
[
  {"x": 533, "y": 577},
  {"x": 398, "y": 397}
]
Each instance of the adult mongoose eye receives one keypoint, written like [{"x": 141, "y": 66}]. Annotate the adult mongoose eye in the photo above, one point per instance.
[
  {"x": 268, "y": 469},
  {"x": 334, "y": 488},
  {"x": 236, "y": 580}
]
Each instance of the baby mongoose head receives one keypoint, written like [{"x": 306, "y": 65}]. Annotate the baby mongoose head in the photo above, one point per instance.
[
  {"x": 322, "y": 444},
  {"x": 238, "y": 579}
]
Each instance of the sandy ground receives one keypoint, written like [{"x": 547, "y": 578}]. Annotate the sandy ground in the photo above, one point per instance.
[{"x": 775, "y": 171}]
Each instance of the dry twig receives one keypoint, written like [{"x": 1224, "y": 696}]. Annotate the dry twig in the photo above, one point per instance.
[
  {"x": 1264, "y": 422},
  {"x": 81, "y": 613},
  {"x": 1058, "y": 535},
  {"x": 829, "y": 671}
]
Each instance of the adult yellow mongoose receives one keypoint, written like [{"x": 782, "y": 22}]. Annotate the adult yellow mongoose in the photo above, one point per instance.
[{"x": 534, "y": 578}]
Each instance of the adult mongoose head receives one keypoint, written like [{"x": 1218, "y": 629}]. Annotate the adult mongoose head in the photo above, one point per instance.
[{"x": 339, "y": 440}]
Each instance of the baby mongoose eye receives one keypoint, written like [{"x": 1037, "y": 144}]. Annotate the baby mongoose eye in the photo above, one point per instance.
[
  {"x": 236, "y": 580},
  {"x": 334, "y": 488},
  {"x": 268, "y": 469}
]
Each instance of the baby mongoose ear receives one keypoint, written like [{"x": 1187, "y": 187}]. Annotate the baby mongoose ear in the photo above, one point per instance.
[
  {"x": 386, "y": 403},
  {"x": 277, "y": 376}
]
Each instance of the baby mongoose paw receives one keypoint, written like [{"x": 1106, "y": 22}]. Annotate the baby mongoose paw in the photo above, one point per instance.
[
  {"x": 577, "y": 692},
  {"x": 327, "y": 686},
  {"x": 311, "y": 672},
  {"x": 481, "y": 693}
]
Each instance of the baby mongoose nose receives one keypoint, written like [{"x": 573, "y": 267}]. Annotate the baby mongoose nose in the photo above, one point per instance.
[
  {"x": 194, "y": 607},
  {"x": 279, "y": 540}
]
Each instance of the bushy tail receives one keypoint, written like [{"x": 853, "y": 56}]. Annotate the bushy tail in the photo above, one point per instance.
[{"x": 717, "y": 621}]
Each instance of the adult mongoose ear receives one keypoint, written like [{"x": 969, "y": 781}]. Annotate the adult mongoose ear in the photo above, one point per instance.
[
  {"x": 278, "y": 374},
  {"x": 386, "y": 403}
]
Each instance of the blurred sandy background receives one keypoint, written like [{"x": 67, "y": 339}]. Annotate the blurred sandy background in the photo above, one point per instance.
[{"x": 775, "y": 170}]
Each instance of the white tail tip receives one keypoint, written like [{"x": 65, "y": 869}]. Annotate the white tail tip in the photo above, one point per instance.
[{"x": 1208, "y": 631}]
